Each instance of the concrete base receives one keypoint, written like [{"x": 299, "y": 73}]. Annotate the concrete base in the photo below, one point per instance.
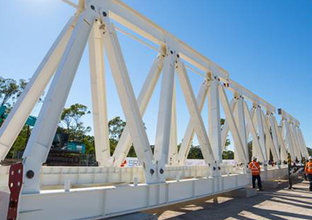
[
  {"x": 270, "y": 184},
  {"x": 136, "y": 216},
  {"x": 4, "y": 204},
  {"x": 242, "y": 193}
]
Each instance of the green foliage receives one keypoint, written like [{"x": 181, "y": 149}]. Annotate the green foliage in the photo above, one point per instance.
[
  {"x": 228, "y": 155},
  {"x": 71, "y": 118},
  {"x": 88, "y": 140},
  {"x": 309, "y": 151},
  {"x": 116, "y": 126},
  {"x": 10, "y": 90},
  {"x": 20, "y": 142},
  {"x": 195, "y": 153}
]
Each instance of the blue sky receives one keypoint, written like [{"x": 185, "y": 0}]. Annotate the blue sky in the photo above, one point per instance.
[{"x": 265, "y": 45}]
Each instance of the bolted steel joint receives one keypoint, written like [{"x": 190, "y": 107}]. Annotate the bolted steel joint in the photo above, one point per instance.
[
  {"x": 30, "y": 174},
  {"x": 152, "y": 171}
]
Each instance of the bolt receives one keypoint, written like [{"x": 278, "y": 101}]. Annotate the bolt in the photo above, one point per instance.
[
  {"x": 161, "y": 171},
  {"x": 92, "y": 7},
  {"x": 30, "y": 174},
  {"x": 171, "y": 51},
  {"x": 214, "y": 168},
  {"x": 178, "y": 55},
  {"x": 104, "y": 14},
  {"x": 152, "y": 171}
]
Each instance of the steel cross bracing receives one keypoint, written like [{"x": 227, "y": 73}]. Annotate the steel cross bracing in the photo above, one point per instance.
[{"x": 164, "y": 178}]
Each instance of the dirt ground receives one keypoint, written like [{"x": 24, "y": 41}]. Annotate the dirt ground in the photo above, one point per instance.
[{"x": 276, "y": 204}]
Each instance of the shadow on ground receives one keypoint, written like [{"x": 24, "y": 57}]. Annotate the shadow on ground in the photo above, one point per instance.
[{"x": 276, "y": 204}]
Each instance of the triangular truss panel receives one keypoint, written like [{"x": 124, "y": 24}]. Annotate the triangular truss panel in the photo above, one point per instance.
[{"x": 96, "y": 22}]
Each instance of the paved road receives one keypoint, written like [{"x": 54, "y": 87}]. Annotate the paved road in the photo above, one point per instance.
[{"x": 270, "y": 204}]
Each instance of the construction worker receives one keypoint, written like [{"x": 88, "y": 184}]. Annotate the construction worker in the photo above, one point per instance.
[
  {"x": 254, "y": 166},
  {"x": 303, "y": 161},
  {"x": 308, "y": 170}
]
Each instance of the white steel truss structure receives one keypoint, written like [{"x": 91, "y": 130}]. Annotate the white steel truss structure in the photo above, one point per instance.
[{"x": 163, "y": 178}]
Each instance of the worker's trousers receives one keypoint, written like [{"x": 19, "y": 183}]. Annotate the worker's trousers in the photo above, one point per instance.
[
  {"x": 310, "y": 181},
  {"x": 258, "y": 178}
]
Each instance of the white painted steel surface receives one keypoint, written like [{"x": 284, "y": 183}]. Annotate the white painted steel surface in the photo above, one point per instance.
[
  {"x": 164, "y": 177},
  {"x": 99, "y": 202}
]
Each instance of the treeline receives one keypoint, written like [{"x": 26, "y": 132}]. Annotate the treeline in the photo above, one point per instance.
[{"x": 71, "y": 124}]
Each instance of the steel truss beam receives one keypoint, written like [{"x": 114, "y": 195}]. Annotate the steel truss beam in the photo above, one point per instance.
[
  {"x": 39, "y": 143},
  {"x": 163, "y": 178},
  {"x": 124, "y": 143},
  {"x": 190, "y": 131},
  {"x": 128, "y": 101},
  {"x": 97, "y": 75},
  {"x": 196, "y": 119},
  {"x": 163, "y": 132},
  {"x": 34, "y": 89},
  {"x": 242, "y": 155}
]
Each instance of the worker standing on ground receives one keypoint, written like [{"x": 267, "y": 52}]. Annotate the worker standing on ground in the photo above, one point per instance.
[
  {"x": 254, "y": 166},
  {"x": 308, "y": 170}
]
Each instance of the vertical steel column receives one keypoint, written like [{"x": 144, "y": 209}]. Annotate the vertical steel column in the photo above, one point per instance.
[
  {"x": 42, "y": 135},
  {"x": 233, "y": 127},
  {"x": 97, "y": 78},
  {"x": 274, "y": 136},
  {"x": 127, "y": 99},
  {"x": 257, "y": 150},
  {"x": 283, "y": 151},
  {"x": 164, "y": 114},
  {"x": 268, "y": 139},
  {"x": 303, "y": 143},
  {"x": 261, "y": 133},
  {"x": 196, "y": 118},
  {"x": 214, "y": 119},
  {"x": 300, "y": 145},
  {"x": 34, "y": 89},
  {"x": 190, "y": 131},
  {"x": 294, "y": 141},
  {"x": 240, "y": 121},
  {"x": 173, "y": 148},
  {"x": 143, "y": 99}
]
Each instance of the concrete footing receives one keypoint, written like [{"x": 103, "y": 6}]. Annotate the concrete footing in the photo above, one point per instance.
[
  {"x": 270, "y": 184},
  {"x": 242, "y": 193},
  {"x": 135, "y": 216}
]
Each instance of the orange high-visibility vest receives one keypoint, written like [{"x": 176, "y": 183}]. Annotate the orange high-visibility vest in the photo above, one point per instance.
[
  {"x": 308, "y": 168},
  {"x": 255, "y": 168}
]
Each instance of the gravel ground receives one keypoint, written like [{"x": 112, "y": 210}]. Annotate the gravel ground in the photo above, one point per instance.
[{"x": 269, "y": 204}]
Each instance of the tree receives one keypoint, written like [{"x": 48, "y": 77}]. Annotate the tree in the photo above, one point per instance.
[
  {"x": 227, "y": 141},
  {"x": 71, "y": 117},
  {"x": 20, "y": 142},
  {"x": 228, "y": 155},
  {"x": 195, "y": 153},
  {"x": 309, "y": 151},
  {"x": 10, "y": 90},
  {"x": 116, "y": 127}
]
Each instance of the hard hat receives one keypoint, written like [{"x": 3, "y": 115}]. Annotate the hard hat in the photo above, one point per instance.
[
  {"x": 254, "y": 158},
  {"x": 310, "y": 157}
]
